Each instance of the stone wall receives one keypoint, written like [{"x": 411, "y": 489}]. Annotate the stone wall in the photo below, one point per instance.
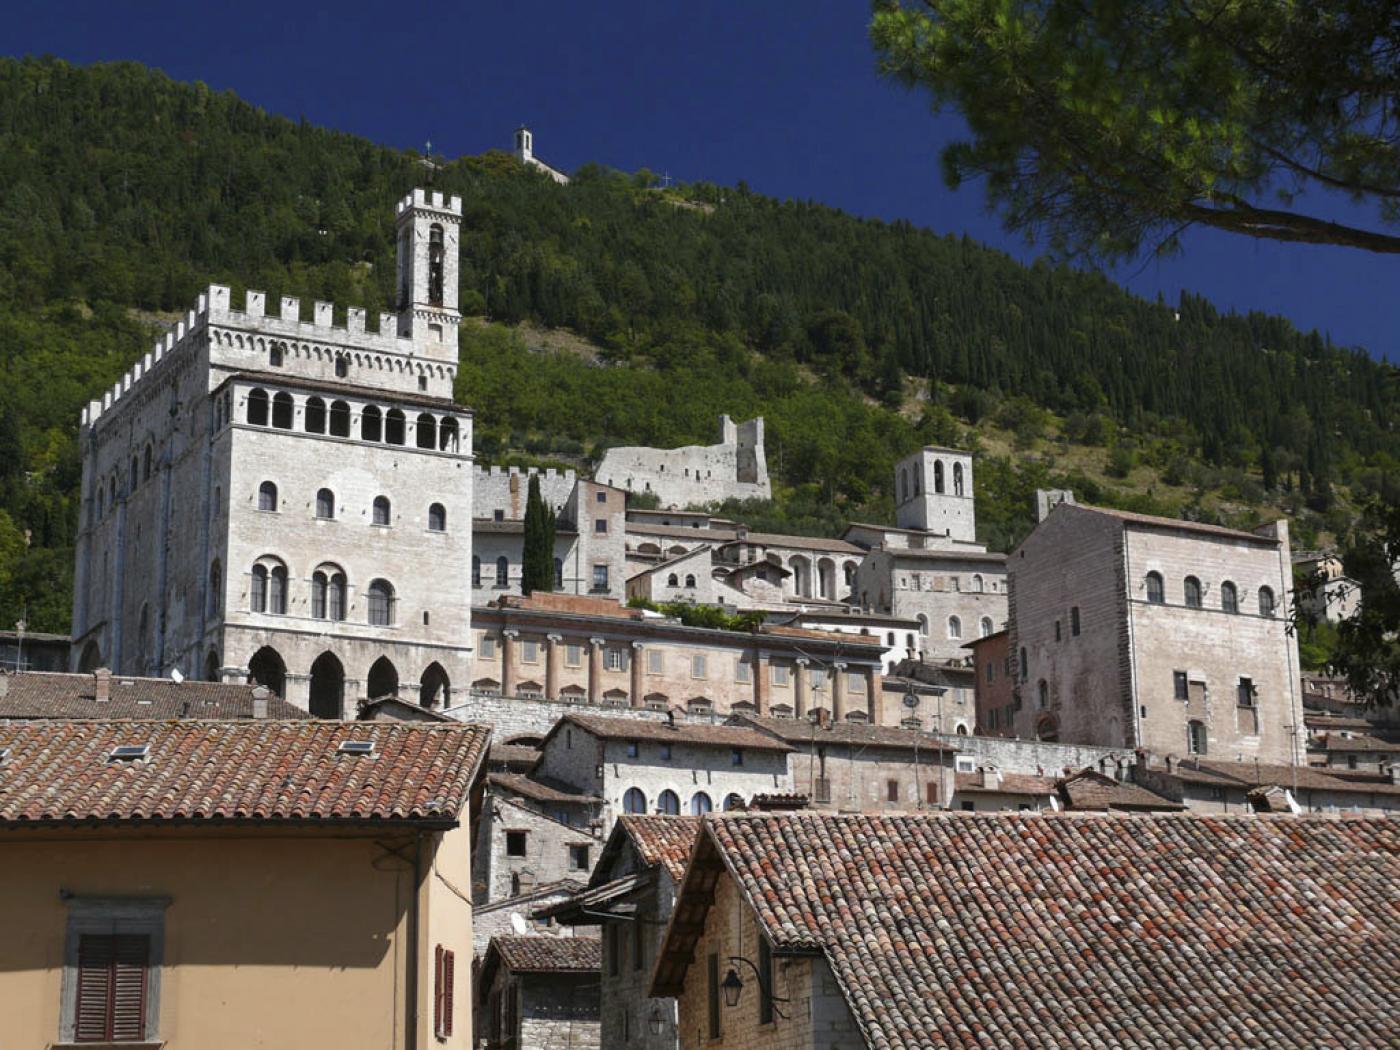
[
  {"x": 547, "y": 855},
  {"x": 626, "y": 981},
  {"x": 935, "y": 590},
  {"x": 1039, "y": 757},
  {"x": 559, "y": 1011},
  {"x": 505, "y": 489},
  {"x": 694, "y": 475}
]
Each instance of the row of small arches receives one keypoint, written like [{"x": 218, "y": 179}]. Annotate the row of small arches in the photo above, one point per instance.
[
  {"x": 269, "y": 592},
  {"x": 390, "y": 427},
  {"x": 1193, "y": 595},
  {"x": 938, "y": 482},
  {"x": 278, "y": 350},
  {"x": 327, "y": 693},
  {"x": 668, "y": 803}
]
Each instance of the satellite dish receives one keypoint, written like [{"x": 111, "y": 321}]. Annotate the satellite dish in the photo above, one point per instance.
[
  {"x": 176, "y": 676},
  {"x": 517, "y": 923}
]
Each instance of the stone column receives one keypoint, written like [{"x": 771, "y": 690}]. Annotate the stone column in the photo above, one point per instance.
[
  {"x": 297, "y": 690},
  {"x": 760, "y": 682},
  {"x": 638, "y": 685},
  {"x": 551, "y": 666},
  {"x": 799, "y": 687},
  {"x": 875, "y": 694},
  {"x": 595, "y": 670},
  {"x": 508, "y": 637},
  {"x": 838, "y": 692}
]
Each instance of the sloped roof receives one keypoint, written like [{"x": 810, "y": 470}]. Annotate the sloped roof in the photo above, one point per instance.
[
  {"x": 682, "y": 732},
  {"x": 255, "y": 771},
  {"x": 1091, "y": 790},
  {"x": 1010, "y": 784},
  {"x": 543, "y": 954},
  {"x": 1013, "y": 930},
  {"x": 1358, "y": 742},
  {"x": 45, "y": 694},
  {"x": 1156, "y": 522},
  {"x": 1253, "y": 774},
  {"x": 528, "y": 788},
  {"x": 800, "y": 731},
  {"x": 662, "y": 840}
]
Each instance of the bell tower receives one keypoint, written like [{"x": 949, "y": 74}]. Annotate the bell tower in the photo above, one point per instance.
[{"x": 429, "y": 233}]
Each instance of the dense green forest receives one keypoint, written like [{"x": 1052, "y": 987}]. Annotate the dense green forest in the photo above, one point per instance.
[{"x": 123, "y": 193}]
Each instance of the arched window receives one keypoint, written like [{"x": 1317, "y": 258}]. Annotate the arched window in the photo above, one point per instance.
[
  {"x": 986, "y": 628},
  {"x": 327, "y": 687},
  {"x": 328, "y": 593},
  {"x": 267, "y": 668},
  {"x": 1196, "y": 737},
  {"x": 733, "y": 802},
  {"x": 668, "y": 803},
  {"x": 434, "y": 688},
  {"x": 502, "y": 572},
  {"x": 436, "y": 253},
  {"x": 340, "y": 419},
  {"x": 383, "y": 679},
  {"x": 978, "y": 584},
  {"x": 1266, "y": 602},
  {"x": 1156, "y": 593},
  {"x": 371, "y": 424},
  {"x": 426, "y": 436},
  {"x": 558, "y": 574},
  {"x": 700, "y": 804},
  {"x": 634, "y": 801},
  {"x": 146, "y": 463},
  {"x": 325, "y": 504},
  {"x": 1025, "y": 665},
  {"x": 957, "y": 479},
  {"x": 277, "y": 590},
  {"x": 342, "y": 366},
  {"x": 381, "y": 511},
  {"x": 276, "y": 354},
  {"x": 690, "y": 579},
  {"x": 673, "y": 580},
  {"x": 1229, "y": 597},
  {"x": 437, "y": 518},
  {"x": 315, "y": 421},
  {"x": 282, "y": 411},
  {"x": 257, "y": 408},
  {"x": 850, "y": 572},
  {"x": 257, "y": 591},
  {"x": 476, "y": 570},
  {"x": 393, "y": 427},
  {"x": 381, "y": 603},
  {"x": 1042, "y": 693},
  {"x": 267, "y": 496},
  {"x": 923, "y": 624},
  {"x": 447, "y": 435},
  {"x": 1192, "y": 587},
  {"x": 938, "y": 476},
  {"x": 954, "y": 627},
  {"x": 216, "y": 588}
]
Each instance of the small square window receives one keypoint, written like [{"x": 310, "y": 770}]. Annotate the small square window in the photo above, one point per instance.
[
  {"x": 736, "y": 756},
  {"x": 633, "y": 749},
  {"x": 602, "y": 497},
  {"x": 601, "y": 526},
  {"x": 666, "y": 752},
  {"x": 578, "y": 858},
  {"x": 515, "y": 843}
]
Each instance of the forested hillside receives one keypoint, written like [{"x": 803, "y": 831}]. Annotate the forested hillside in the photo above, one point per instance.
[{"x": 123, "y": 193}]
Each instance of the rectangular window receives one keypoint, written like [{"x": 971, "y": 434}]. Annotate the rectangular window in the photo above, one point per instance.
[
  {"x": 855, "y": 682},
  {"x": 822, "y": 789},
  {"x": 530, "y": 652},
  {"x": 615, "y": 660},
  {"x": 712, "y": 993},
  {"x": 765, "y": 986},
  {"x": 600, "y": 577},
  {"x": 1057, "y": 631},
  {"x": 931, "y": 792},
  {"x": 736, "y": 756},
  {"x": 1246, "y": 692},
  {"x": 892, "y": 791},
  {"x": 602, "y": 497},
  {"x": 633, "y": 749},
  {"x": 488, "y": 647},
  {"x": 601, "y": 526},
  {"x": 638, "y": 944},
  {"x": 779, "y": 673},
  {"x": 444, "y": 977},
  {"x": 818, "y": 678},
  {"x": 665, "y": 752},
  {"x": 515, "y": 843},
  {"x": 697, "y": 665},
  {"x": 1074, "y": 621},
  {"x": 573, "y": 655},
  {"x": 742, "y": 672},
  {"x": 1179, "y": 689},
  {"x": 654, "y": 661},
  {"x": 578, "y": 858},
  {"x": 111, "y": 970}
]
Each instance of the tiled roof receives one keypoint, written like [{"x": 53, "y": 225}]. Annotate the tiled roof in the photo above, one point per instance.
[
  {"x": 521, "y": 755},
  {"x": 662, "y": 840},
  {"x": 1010, "y": 784},
  {"x": 801, "y": 732},
  {"x": 1357, "y": 742},
  {"x": 541, "y": 954},
  {"x": 1254, "y": 774},
  {"x": 40, "y": 694},
  {"x": 1089, "y": 790},
  {"x": 681, "y": 733},
  {"x": 1154, "y": 521},
  {"x": 814, "y": 543},
  {"x": 527, "y": 788},
  {"x": 257, "y": 771},
  {"x": 1081, "y": 930}
]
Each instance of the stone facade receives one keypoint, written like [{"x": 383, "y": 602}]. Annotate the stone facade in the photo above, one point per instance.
[
  {"x": 954, "y": 596},
  {"x": 589, "y": 650},
  {"x": 933, "y": 493},
  {"x": 694, "y": 475},
  {"x": 519, "y": 848},
  {"x": 511, "y": 915},
  {"x": 1132, "y": 631},
  {"x": 285, "y": 499},
  {"x": 996, "y": 679}
]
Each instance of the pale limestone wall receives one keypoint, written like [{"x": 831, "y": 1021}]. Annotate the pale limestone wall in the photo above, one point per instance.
[
  {"x": 517, "y": 717},
  {"x": 559, "y": 1012},
  {"x": 506, "y": 489},
  {"x": 499, "y": 918},
  {"x": 860, "y": 776},
  {"x": 933, "y": 493},
  {"x": 694, "y": 474},
  {"x": 693, "y": 581},
  {"x": 817, "y": 1015},
  {"x": 934, "y": 591},
  {"x": 1038, "y": 757},
  {"x": 547, "y": 843},
  {"x": 626, "y": 1005}
]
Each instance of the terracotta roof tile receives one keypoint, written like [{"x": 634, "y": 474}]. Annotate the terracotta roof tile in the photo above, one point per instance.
[
  {"x": 39, "y": 694},
  {"x": 541, "y": 954},
  {"x": 1155, "y": 521},
  {"x": 681, "y": 733},
  {"x": 527, "y": 788},
  {"x": 1089, "y": 790},
  {"x": 800, "y": 731},
  {"x": 1358, "y": 742},
  {"x": 1171, "y": 930},
  {"x": 663, "y": 840},
  {"x": 62, "y": 772},
  {"x": 1010, "y": 784}
]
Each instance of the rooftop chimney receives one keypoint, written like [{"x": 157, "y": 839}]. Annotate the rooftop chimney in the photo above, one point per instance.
[
  {"x": 102, "y": 684},
  {"x": 260, "y": 695},
  {"x": 990, "y": 777}
]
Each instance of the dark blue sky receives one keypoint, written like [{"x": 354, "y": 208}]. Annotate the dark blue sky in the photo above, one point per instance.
[{"x": 781, "y": 94}]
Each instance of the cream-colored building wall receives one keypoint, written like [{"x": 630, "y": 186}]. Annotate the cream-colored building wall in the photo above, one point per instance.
[{"x": 269, "y": 940}]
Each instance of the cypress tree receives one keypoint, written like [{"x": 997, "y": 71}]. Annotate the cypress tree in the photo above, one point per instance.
[{"x": 538, "y": 560}]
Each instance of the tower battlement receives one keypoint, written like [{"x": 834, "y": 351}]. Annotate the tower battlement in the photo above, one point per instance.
[{"x": 421, "y": 198}]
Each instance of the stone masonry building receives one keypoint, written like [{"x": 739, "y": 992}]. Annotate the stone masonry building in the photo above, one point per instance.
[
  {"x": 695, "y": 474},
  {"x": 1143, "y": 632},
  {"x": 289, "y": 500}
]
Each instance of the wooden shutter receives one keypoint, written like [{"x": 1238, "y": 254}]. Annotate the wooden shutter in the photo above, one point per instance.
[
  {"x": 437, "y": 991},
  {"x": 111, "y": 996},
  {"x": 444, "y": 974}
]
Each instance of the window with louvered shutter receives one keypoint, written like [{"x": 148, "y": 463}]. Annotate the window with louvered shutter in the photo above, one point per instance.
[
  {"x": 444, "y": 973},
  {"x": 111, "y": 987}
]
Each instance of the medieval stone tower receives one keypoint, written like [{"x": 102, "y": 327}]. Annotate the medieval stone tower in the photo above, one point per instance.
[
  {"x": 289, "y": 499},
  {"x": 933, "y": 493}
]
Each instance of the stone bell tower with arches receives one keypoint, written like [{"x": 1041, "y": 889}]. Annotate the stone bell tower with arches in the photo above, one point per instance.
[
  {"x": 429, "y": 230},
  {"x": 933, "y": 493}
]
